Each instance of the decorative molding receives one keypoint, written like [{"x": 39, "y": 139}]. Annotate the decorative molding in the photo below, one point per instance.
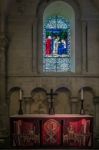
[
  {"x": 74, "y": 99},
  {"x": 27, "y": 99}
]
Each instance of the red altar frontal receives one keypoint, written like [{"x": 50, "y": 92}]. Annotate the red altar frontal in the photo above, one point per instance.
[{"x": 42, "y": 130}]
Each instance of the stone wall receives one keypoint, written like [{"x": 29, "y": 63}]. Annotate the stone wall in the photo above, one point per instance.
[{"x": 22, "y": 68}]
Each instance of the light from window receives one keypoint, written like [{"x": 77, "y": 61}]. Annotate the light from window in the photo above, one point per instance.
[{"x": 56, "y": 45}]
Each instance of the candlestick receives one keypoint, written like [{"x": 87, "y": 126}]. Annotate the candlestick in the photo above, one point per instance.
[
  {"x": 20, "y": 112},
  {"x": 82, "y": 112},
  {"x": 20, "y": 94},
  {"x": 82, "y": 94}
]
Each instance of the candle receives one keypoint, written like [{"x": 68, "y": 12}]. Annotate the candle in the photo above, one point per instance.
[
  {"x": 20, "y": 94},
  {"x": 82, "y": 94}
]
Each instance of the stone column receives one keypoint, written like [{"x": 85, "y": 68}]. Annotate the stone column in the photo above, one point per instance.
[
  {"x": 3, "y": 47},
  {"x": 74, "y": 101},
  {"x": 3, "y": 85},
  {"x": 2, "y": 68},
  {"x": 96, "y": 117}
]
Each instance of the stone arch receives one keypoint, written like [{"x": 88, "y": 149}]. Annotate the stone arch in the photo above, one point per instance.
[
  {"x": 38, "y": 30},
  {"x": 13, "y": 100},
  {"x": 62, "y": 102},
  {"x": 39, "y": 101},
  {"x": 43, "y": 4}
]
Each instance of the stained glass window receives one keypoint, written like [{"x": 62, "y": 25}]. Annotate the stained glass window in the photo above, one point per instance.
[{"x": 56, "y": 44}]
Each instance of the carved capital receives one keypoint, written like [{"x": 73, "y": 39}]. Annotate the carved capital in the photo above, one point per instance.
[
  {"x": 20, "y": 6},
  {"x": 74, "y": 99},
  {"x": 96, "y": 99},
  {"x": 3, "y": 42}
]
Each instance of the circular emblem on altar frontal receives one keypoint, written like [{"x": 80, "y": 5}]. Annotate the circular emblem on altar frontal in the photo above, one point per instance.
[{"x": 51, "y": 125}]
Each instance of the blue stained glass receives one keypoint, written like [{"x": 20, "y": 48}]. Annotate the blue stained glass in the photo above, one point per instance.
[{"x": 56, "y": 45}]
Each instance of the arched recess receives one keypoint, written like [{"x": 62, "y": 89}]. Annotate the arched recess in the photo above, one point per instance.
[
  {"x": 13, "y": 100},
  {"x": 49, "y": 8},
  {"x": 88, "y": 95},
  {"x": 39, "y": 104},
  {"x": 62, "y": 101}
]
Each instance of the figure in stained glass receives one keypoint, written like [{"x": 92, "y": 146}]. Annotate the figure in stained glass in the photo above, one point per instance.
[
  {"x": 48, "y": 45},
  {"x": 62, "y": 47},
  {"x": 56, "y": 42}
]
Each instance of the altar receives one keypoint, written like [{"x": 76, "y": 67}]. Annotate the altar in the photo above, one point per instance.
[{"x": 59, "y": 130}]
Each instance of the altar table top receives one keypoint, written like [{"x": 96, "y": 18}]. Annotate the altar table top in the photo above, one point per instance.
[{"x": 50, "y": 116}]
